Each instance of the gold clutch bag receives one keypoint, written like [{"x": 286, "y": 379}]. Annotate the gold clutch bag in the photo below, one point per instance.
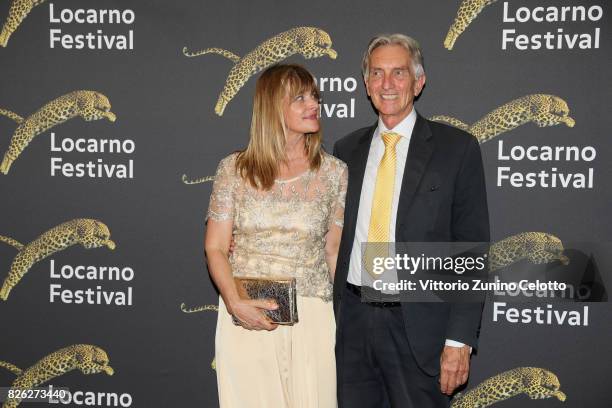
[{"x": 281, "y": 290}]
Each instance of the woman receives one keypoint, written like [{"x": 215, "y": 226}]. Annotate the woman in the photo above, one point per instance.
[{"x": 282, "y": 201}]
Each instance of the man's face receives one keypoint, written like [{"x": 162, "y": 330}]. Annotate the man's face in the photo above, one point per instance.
[{"x": 391, "y": 84}]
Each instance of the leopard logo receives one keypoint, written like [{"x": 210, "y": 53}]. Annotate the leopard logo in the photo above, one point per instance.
[
  {"x": 311, "y": 42},
  {"x": 90, "y": 105},
  {"x": 87, "y": 358},
  {"x": 197, "y": 309},
  {"x": 537, "y": 383},
  {"x": 202, "y": 308},
  {"x": 537, "y": 247},
  {"x": 18, "y": 11},
  {"x": 468, "y": 10},
  {"x": 89, "y": 233},
  {"x": 543, "y": 110},
  {"x": 199, "y": 180}
]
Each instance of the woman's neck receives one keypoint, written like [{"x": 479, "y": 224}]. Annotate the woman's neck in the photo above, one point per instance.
[{"x": 295, "y": 147}]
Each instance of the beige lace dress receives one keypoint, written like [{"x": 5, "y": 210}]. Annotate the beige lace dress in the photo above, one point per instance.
[{"x": 280, "y": 232}]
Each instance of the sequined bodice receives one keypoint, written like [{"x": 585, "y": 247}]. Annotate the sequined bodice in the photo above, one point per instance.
[{"x": 281, "y": 232}]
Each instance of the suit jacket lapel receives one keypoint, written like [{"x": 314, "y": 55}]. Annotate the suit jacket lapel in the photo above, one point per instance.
[
  {"x": 357, "y": 165},
  {"x": 419, "y": 152}
]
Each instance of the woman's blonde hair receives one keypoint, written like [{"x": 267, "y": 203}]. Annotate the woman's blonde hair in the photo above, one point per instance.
[{"x": 259, "y": 162}]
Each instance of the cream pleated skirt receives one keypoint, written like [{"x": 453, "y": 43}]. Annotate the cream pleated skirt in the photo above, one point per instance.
[{"x": 289, "y": 367}]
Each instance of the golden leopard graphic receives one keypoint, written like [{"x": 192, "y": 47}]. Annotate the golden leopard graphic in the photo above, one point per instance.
[
  {"x": 89, "y": 233},
  {"x": 202, "y": 308},
  {"x": 199, "y": 180},
  {"x": 541, "y": 109},
  {"x": 197, "y": 309},
  {"x": 537, "y": 247},
  {"x": 90, "y": 105},
  {"x": 18, "y": 11},
  {"x": 311, "y": 42},
  {"x": 87, "y": 358},
  {"x": 468, "y": 10},
  {"x": 537, "y": 383}
]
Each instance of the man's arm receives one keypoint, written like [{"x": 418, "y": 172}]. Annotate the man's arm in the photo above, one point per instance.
[{"x": 470, "y": 223}]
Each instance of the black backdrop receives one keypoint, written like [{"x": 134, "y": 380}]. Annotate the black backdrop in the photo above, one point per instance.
[{"x": 164, "y": 103}]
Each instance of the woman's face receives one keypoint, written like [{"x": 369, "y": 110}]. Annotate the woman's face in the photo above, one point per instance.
[{"x": 301, "y": 113}]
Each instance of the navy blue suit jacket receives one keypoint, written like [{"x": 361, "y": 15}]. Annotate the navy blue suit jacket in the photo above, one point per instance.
[{"x": 442, "y": 199}]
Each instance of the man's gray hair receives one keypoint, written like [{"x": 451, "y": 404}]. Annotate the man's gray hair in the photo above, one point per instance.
[{"x": 408, "y": 43}]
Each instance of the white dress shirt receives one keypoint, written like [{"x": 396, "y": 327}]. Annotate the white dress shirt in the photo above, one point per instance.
[{"x": 377, "y": 149}]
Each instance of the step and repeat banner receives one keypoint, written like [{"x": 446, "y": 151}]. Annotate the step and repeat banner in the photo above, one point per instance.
[{"x": 114, "y": 116}]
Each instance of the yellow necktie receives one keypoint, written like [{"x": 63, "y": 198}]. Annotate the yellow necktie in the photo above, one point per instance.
[{"x": 380, "y": 217}]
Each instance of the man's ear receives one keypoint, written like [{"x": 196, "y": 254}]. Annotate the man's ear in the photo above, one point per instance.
[
  {"x": 365, "y": 82},
  {"x": 419, "y": 84}
]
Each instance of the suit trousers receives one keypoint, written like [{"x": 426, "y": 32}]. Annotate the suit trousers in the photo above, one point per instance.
[{"x": 378, "y": 368}]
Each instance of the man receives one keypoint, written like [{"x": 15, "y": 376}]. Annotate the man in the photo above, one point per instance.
[{"x": 421, "y": 182}]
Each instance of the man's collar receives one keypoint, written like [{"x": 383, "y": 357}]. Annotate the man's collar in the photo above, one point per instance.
[{"x": 404, "y": 128}]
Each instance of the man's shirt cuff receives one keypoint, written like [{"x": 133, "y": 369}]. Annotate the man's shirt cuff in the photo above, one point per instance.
[{"x": 453, "y": 343}]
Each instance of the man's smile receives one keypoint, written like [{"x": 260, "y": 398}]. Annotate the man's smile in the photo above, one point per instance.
[{"x": 388, "y": 97}]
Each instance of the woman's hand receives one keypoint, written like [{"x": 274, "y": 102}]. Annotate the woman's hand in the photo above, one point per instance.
[
  {"x": 250, "y": 313},
  {"x": 232, "y": 246}
]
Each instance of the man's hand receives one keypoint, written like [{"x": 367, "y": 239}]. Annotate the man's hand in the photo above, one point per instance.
[{"x": 454, "y": 368}]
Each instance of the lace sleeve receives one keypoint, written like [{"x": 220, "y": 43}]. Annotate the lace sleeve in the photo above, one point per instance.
[
  {"x": 337, "y": 214},
  {"x": 222, "y": 198}
]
